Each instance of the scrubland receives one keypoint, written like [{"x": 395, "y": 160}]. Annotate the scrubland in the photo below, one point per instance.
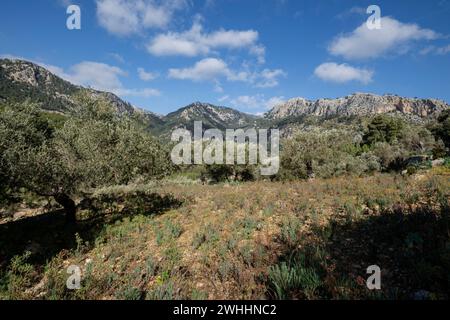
[{"x": 180, "y": 239}]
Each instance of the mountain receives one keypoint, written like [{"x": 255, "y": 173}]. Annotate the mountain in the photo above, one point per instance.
[
  {"x": 22, "y": 80},
  {"x": 211, "y": 116},
  {"x": 358, "y": 104}
]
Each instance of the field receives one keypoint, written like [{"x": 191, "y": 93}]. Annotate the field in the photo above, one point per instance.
[{"x": 180, "y": 239}]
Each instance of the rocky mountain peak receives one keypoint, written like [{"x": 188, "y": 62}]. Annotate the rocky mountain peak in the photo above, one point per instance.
[{"x": 358, "y": 104}]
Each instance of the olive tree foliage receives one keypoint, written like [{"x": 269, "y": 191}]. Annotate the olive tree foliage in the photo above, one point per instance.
[
  {"x": 96, "y": 147},
  {"x": 322, "y": 154},
  {"x": 22, "y": 132},
  {"x": 441, "y": 129},
  {"x": 236, "y": 172},
  {"x": 385, "y": 145}
]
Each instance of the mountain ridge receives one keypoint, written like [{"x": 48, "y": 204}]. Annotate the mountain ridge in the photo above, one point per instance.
[
  {"x": 358, "y": 104},
  {"x": 21, "y": 80}
]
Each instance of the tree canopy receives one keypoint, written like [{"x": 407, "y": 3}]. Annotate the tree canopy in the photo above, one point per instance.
[{"x": 96, "y": 147}]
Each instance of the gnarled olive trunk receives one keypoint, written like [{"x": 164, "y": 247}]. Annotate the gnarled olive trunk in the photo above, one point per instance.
[{"x": 69, "y": 206}]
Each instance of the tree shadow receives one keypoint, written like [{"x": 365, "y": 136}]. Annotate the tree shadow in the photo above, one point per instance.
[
  {"x": 410, "y": 245},
  {"x": 48, "y": 234}
]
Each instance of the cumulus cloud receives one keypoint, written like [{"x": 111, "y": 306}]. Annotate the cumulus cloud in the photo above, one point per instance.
[
  {"x": 102, "y": 77},
  {"x": 195, "y": 42},
  {"x": 213, "y": 69},
  {"x": 435, "y": 50},
  {"x": 96, "y": 75},
  {"x": 269, "y": 78},
  {"x": 394, "y": 36},
  {"x": 146, "y": 76},
  {"x": 145, "y": 93},
  {"x": 126, "y": 17},
  {"x": 274, "y": 101},
  {"x": 206, "y": 69},
  {"x": 443, "y": 50},
  {"x": 255, "y": 102},
  {"x": 341, "y": 73}
]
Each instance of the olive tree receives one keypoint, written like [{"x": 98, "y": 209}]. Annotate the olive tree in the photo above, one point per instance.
[
  {"x": 96, "y": 147},
  {"x": 320, "y": 154},
  {"x": 441, "y": 129},
  {"x": 22, "y": 132}
]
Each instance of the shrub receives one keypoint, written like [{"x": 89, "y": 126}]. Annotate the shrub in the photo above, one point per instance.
[
  {"x": 383, "y": 128},
  {"x": 96, "y": 147},
  {"x": 320, "y": 154},
  {"x": 287, "y": 281},
  {"x": 19, "y": 277},
  {"x": 225, "y": 172}
]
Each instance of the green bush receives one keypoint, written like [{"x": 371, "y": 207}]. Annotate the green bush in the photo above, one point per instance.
[
  {"x": 322, "y": 154},
  {"x": 225, "y": 172},
  {"x": 96, "y": 147},
  {"x": 288, "y": 281}
]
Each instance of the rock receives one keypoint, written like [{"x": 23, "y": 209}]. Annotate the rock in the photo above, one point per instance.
[
  {"x": 437, "y": 162},
  {"x": 358, "y": 104},
  {"x": 38, "y": 290}
]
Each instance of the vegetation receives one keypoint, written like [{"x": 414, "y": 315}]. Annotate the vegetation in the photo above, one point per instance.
[
  {"x": 442, "y": 128},
  {"x": 350, "y": 193},
  {"x": 270, "y": 240},
  {"x": 93, "y": 149},
  {"x": 387, "y": 144}
]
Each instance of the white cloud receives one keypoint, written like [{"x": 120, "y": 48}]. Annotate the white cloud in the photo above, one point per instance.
[
  {"x": 269, "y": 78},
  {"x": 117, "y": 57},
  {"x": 341, "y": 73},
  {"x": 65, "y": 3},
  {"x": 443, "y": 50},
  {"x": 195, "y": 42},
  {"x": 260, "y": 52},
  {"x": 11, "y": 57},
  {"x": 126, "y": 17},
  {"x": 206, "y": 69},
  {"x": 218, "y": 87},
  {"x": 394, "y": 36},
  {"x": 146, "y": 76},
  {"x": 99, "y": 76},
  {"x": 435, "y": 50},
  {"x": 145, "y": 93},
  {"x": 223, "y": 98},
  {"x": 274, "y": 101},
  {"x": 213, "y": 69},
  {"x": 96, "y": 75},
  {"x": 350, "y": 12},
  {"x": 256, "y": 102},
  {"x": 251, "y": 102}
]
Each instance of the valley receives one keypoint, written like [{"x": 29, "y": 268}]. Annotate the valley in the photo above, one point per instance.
[{"x": 87, "y": 181}]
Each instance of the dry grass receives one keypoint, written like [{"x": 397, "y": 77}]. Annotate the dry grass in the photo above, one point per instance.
[{"x": 222, "y": 242}]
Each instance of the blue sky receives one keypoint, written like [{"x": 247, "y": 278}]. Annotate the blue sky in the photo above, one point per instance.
[{"x": 246, "y": 54}]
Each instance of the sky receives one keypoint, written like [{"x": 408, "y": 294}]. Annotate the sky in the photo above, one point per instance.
[{"x": 161, "y": 55}]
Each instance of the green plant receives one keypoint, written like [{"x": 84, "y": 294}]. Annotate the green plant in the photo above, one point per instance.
[
  {"x": 290, "y": 229},
  {"x": 164, "y": 291},
  {"x": 130, "y": 293},
  {"x": 19, "y": 277},
  {"x": 288, "y": 280}
]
